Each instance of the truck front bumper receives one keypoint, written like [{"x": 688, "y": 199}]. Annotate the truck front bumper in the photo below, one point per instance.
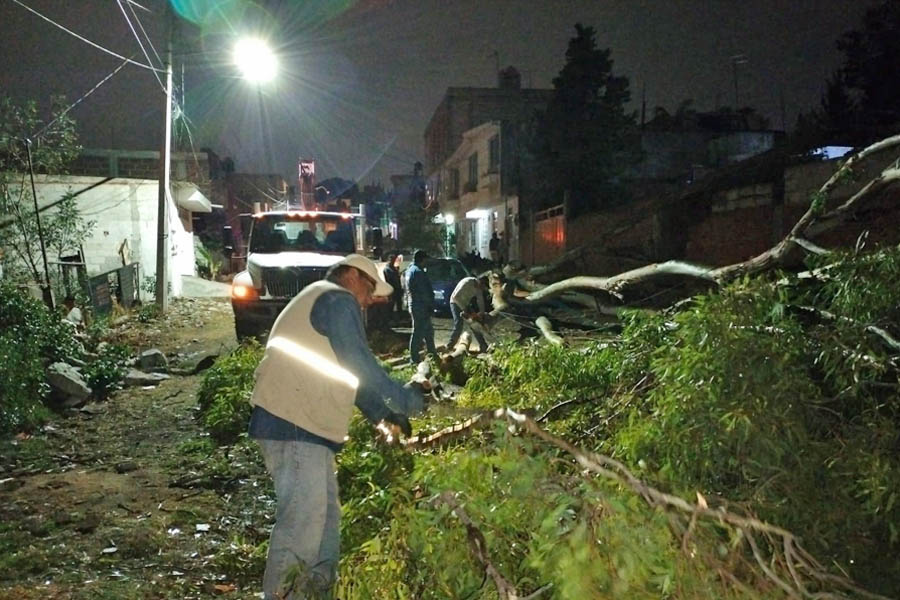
[{"x": 255, "y": 318}]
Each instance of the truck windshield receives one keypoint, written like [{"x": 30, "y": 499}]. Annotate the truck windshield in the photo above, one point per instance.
[{"x": 273, "y": 233}]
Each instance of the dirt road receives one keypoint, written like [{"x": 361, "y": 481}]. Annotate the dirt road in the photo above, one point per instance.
[{"x": 128, "y": 499}]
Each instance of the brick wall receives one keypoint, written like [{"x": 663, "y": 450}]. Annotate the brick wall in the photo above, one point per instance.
[{"x": 725, "y": 227}]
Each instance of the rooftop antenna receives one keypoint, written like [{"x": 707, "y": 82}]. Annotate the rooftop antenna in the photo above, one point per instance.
[
  {"x": 496, "y": 55},
  {"x": 737, "y": 59}
]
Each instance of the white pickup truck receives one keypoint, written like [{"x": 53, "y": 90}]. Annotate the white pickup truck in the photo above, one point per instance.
[{"x": 288, "y": 250}]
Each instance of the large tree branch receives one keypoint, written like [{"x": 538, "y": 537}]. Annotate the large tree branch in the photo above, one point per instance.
[
  {"x": 478, "y": 546},
  {"x": 814, "y": 221},
  {"x": 615, "y": 284},
  {"x": 680, "y": 509},
  {"x": 806, "y": 226}
]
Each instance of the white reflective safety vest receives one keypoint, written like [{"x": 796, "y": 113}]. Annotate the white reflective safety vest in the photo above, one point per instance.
[{"x": 299, "y": 378}]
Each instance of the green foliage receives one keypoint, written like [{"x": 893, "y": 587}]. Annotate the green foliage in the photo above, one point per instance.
[
  {"x": 416, "y": 227},
  {"x": 51, "y": 151},
  {"x": 148, "y": 312},
  {"x": 105, "y": 373},
  {"x": 540, "y": 374},
  {"x": 148, "y": 285},
  {"x": 25, "y": 318},
  {"x": 224, "y": 393},
  {"x": 208, "y": 264},
  {"x": 858, "y": 100},
  {"x": 368, "y": 476},
  {"x": 30, "y": 337},
  {"x": 779, "y": 398},
  {"x": 243, "y": 560},
  {"x": 22, "y": 388}
]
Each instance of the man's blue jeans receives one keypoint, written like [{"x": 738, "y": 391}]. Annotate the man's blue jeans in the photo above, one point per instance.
[
  {"x": 458, "y": 324},
  {"x": 307, "y": 520},
  {"x": 421, "y": 331}
]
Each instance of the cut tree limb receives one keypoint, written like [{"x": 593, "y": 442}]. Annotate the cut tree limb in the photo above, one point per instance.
[
  {"x": 815, "y": 221},
  {"x": 546, "y": 329},
  {"x": 479, "y": 548},
  {"x": 680, "y": 509}
]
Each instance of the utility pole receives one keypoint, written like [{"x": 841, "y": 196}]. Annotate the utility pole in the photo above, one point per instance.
[
  {"x": 162, "y": 221},
  {"x": 45, "y": 288}
]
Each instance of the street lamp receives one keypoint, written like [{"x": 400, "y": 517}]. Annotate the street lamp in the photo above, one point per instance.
[
  {"x": 258, "y": 65},
  {"x": 255, "y": 60}
]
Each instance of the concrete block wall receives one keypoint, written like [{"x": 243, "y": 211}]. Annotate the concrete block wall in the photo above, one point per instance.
[{"x": 125, "y": 212}]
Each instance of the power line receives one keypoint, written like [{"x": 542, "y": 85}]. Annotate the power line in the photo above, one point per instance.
[
  {"x": 140, "y": 43},
  {"x": 85, "y": 95},
  {"x": 87, "y": 41}
]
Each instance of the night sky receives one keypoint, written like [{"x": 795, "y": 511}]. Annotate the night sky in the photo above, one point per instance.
[{"x": 359, "y": 80}]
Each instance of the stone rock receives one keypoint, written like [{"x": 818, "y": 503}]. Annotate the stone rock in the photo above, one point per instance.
[
  {"x": 67, "y": 385},
  {"x": 135, "y": 377},
  {"x": 154, "y": 360},
  {"x": 88, "y": 523},
  {"x": 196, "y": 362},
  {"x": 126, "y": 467}
]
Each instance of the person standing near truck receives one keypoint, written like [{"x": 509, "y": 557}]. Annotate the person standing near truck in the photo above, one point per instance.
[
  {"x": 467, "y": 291},
  {"x": 316, "y": 368},
  {"x": 392, "y": 276},
  {"x": 420, "y": 299}
]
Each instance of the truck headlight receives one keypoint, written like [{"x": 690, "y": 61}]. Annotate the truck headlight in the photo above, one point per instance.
[{"x": 244, "y": 292}]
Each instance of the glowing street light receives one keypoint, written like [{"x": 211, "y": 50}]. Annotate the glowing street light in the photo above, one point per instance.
[{"x": 255, "y": 60}]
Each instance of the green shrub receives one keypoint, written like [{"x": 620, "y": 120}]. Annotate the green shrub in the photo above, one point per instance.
[
  {"x": 105, "y": 373},
  {"x": 22, "y": 387},
  {"x": 225, "y": 391},
  {"x": 148, "y": 312},
  {"x": 31, "y": 336},
  {"x": 25, "y": 318}
]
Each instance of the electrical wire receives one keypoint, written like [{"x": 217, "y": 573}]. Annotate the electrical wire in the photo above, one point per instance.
[
  {"x": 179, "y": 106},
  {"x": 144, "y": 31},
  {"x": 77, "y": 102},
  {"x": 140, "y": 43},
  {"x": 87, "y": 41}
]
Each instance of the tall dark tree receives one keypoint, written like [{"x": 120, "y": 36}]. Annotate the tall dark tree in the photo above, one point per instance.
[
  {"x": 580, "y": 144},
  {"x": 862, "y": 99}
]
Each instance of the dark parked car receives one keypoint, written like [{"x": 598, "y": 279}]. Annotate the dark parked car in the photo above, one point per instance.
[{"x": 444, "y": 274}]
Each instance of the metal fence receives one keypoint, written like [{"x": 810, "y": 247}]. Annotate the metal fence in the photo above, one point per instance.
[{"x": 119, "y": 285}]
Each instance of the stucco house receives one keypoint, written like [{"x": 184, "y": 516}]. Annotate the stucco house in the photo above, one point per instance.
[{"x": 125, "y": 212}]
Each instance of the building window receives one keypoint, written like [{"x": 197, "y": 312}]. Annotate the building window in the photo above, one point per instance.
[
  {"x": 454, "y": 183},
  {"x": 494, "y": 156},
  {"x": 473, "y": 170}
]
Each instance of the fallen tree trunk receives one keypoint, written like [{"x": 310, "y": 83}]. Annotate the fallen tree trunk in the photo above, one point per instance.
[{"x": 814, "y": 222}]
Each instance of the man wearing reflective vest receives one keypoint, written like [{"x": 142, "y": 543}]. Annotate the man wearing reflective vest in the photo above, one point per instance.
[{"x": 316, "y": 368}]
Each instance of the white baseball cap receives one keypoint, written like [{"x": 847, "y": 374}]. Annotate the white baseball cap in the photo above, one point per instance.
[{"x": 371, "y": 270}]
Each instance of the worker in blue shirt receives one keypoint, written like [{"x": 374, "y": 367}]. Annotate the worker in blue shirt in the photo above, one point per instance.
[
  {"x": 420, "y": 300},
  {"x": 315, "y": 369}
]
